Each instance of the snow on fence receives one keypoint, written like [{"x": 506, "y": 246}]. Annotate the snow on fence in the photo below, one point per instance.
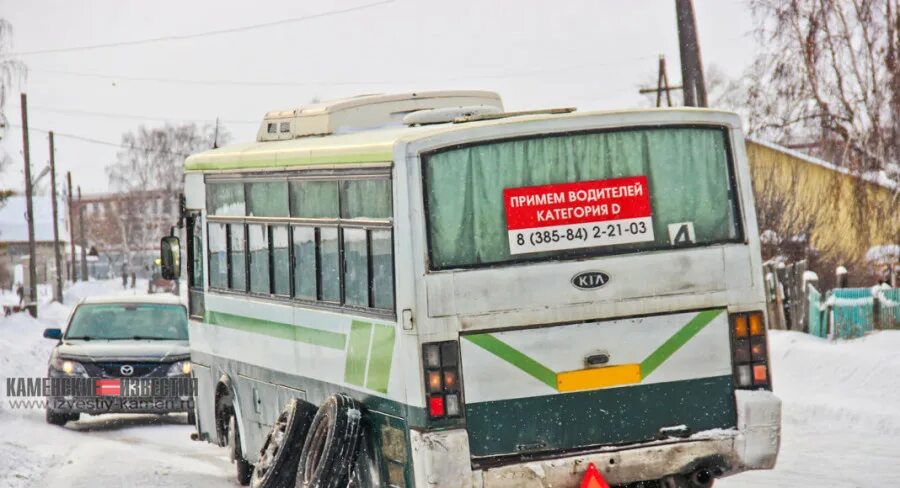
[{"x": 847, "y": 313}]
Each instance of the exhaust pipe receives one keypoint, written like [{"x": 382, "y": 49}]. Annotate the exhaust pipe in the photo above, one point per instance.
[{"x": 702, "y": 478}]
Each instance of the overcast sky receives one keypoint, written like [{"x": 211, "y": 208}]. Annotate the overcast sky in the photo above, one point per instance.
[{"x": 536, "y": 53}]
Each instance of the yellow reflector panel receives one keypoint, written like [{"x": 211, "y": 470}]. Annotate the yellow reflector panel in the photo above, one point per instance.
[{"x": 594, "y": 378}]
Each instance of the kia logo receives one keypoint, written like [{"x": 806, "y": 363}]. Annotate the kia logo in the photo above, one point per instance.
[
  {"x": 590, "y": 280},
  {"x": 126, "y": 370}
]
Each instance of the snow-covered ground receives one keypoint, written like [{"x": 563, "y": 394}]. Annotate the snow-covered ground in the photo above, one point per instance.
[
  {"x": 105, "y": 451},
  {"x": 841, "y": 412},
  {"x": 841, "y": 419}
]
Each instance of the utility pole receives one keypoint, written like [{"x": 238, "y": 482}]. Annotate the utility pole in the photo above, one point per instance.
[
  {"x": 29, "y": 209},
  {"x": 662, "y": 84},
  {"x": 57, "y": 291},
  {"x": 73, "y": 270},
  {"x": 216, "y": 135},
  {"x": 689, "y": 47},
  {"x": 84, "y": 271}
]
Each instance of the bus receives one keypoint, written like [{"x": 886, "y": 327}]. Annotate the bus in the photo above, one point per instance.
[{"x": 426, "y": 290}]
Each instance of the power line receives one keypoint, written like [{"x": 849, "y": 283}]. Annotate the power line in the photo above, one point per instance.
[
  {"x": 510, "y": 74},
  {"x": 98, "y": 141},
  {"x": 202, "y": 34},
  {"x": 134, "y": 117}
]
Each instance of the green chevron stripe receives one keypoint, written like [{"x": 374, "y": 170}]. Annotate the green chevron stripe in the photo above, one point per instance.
[
  {"x": 511, "y": 355},
  {"x": 665, "y": 351},
  {"x": 547, "y": 376}
]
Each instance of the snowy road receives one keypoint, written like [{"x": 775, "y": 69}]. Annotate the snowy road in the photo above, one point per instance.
[
  {"x": 107, "y": 451},
  {"x": 841, "y": 421},
  {"x": 140, "y": 451}
]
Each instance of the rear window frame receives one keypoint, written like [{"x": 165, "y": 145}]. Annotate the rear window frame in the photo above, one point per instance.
[{"x": 591, "y": 252}]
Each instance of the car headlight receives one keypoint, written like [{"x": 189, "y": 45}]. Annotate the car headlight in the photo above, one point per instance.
[
  {"x": 180, "y": 368},
  {"x": 69, "y": 367}
]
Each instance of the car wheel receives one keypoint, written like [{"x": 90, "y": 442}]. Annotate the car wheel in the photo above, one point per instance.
[
  {"x": 60, "y": 418},
  {"x": 243, "y": 468},
  {"x": 330, "y": 447},
  {"x": 276, "y": 466}
]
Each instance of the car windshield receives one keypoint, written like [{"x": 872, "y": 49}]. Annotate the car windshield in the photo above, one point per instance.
[
  {"x": 118, "y": 321},
  {"x": 579, "y": 194}
]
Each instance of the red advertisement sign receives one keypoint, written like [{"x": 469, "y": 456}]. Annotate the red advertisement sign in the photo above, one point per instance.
[
  {"x": 569, "y": 215},
  {"x": 576, "y": 203}
]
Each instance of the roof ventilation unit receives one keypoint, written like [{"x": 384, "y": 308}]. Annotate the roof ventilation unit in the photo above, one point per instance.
[{"x": 373, "y": 111}]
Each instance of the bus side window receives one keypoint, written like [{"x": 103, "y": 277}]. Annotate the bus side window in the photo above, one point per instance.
[
  {"x": 382, "y": 269},
  {"x": 281, "y": 268},
  {"x": 237, "y": 258},
  {"x": 259, "y": 258},
  {"x": 304, "y": 244},
  {"x": 329, "y": 265},
  {"x": 195, "y": 265},
  {"x": 218, "y": 269},
  {"x": 356, "y": 267}
]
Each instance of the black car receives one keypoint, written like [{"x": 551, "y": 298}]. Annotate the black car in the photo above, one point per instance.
[{"x": 121, "y": 354}]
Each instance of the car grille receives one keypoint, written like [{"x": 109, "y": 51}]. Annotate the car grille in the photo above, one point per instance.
[{"x": 114, "y": 369}]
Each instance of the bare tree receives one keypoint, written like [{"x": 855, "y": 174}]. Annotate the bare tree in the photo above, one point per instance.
[
  {"x": 11, "y": 72},
  {"x": 148, "y": 174},
  {"x": 154, "y": 156},
  {"x": 830, "y": 76}
]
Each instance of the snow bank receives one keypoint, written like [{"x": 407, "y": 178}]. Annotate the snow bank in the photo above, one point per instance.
[
  {"x": 840, "y": 419},
  {"x": 844, "y": 383},
  {"x": 23, "y": 349}
]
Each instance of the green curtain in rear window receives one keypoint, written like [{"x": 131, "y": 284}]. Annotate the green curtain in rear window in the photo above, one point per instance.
[{"x": 687, "y": 171}]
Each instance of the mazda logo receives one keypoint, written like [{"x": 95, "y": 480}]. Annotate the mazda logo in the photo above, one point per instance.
[{"x": 126, "y": 370}]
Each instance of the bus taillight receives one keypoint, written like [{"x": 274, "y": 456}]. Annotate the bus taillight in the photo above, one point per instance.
[
  {"x": 751, "y": 358},
  {"x": 442, "y": 382}
]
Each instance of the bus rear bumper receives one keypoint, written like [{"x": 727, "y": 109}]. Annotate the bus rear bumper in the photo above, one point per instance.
[{"x": 441, "y": 459}]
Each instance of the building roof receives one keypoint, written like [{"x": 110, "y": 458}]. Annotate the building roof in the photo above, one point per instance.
[
  {"x": 365, "y": 146},
  {"x": 879, "y": 178},
  {"x": 14, "y": 226}
]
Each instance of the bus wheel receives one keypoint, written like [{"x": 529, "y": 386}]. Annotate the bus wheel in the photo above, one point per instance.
[
  {"x": 278, "y": 457},
  {"x": 329, "y": 450},
  {"x": 244, "y": 468}
]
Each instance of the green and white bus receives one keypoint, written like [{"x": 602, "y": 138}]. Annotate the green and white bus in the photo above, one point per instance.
[{"x": 480, "y": 298}]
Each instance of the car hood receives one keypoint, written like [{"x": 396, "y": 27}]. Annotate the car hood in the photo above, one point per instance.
[{"x": 98, "y": 350}]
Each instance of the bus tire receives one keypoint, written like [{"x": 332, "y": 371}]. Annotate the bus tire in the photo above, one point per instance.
[
  {"x": 243, "y": 468},
  {"x": 329, "y": 450},
  {"x": 276, "y": 466}
]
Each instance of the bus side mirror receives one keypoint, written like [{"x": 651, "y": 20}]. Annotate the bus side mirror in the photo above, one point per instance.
[{"x": 170, "y": 257}]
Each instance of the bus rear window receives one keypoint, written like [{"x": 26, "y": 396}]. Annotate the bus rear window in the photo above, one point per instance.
[{"x": 579, "y": 194}]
